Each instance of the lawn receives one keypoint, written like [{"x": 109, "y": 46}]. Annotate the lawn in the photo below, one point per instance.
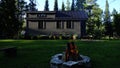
[{"x": 37, "y": 53}]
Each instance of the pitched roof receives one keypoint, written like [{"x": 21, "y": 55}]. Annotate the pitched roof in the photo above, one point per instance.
[{"x": 82, "y": 15}]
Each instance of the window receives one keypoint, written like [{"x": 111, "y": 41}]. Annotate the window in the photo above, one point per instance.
[
  {"x": 41, "y": 25},
  {"x": 69, "y": 25},
  {"x": 42, "y": 15},
  {"x": 59, "y": 25}
]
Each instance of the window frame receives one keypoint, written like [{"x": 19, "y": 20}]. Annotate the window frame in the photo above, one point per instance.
[
  {"x": 70, "y": 24},
  {"x": 41, "y": 25},
  {"x": 60, "y": 24},
  {"x": 42, "y": 15}
]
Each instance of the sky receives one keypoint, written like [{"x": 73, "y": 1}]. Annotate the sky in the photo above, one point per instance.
[{"x": 112, "y": 4}]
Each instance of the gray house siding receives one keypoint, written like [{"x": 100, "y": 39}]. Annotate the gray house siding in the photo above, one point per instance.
[
  {"x": 51, "y": 22},
  {"x": 52, "y": 28}
]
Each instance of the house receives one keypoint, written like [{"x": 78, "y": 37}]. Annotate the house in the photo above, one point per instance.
[{"x": 56, "y": 22}]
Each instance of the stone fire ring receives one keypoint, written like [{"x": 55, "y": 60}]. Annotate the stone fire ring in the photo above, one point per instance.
[{"x": 57, "y": 62}]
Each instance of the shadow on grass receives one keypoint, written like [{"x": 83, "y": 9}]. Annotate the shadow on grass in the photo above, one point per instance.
[{"x": 37, "y": 53}]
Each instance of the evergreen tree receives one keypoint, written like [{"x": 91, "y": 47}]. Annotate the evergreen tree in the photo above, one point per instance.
[
  {"x": 116, "y": 20},
  {"x": 56, "y": 5},
  {"x": 63, "y": 6},
  {"x": 68, "y": 5},
  {"x": 114, "y": 12},
  {"x": 21, "y": 9},
  {"x": 46, "y": 6},
  {"x": 80, "y": 5},
  {"x": 107, "y": 13},
  {"x": 73, "y": 5},
  {"x": 9, "y": 25},
  {"x": 116, "y": 23},
  {"x": 32, "y": 5},
  {"x": 90, "y": 2},
  {"x": 107, "y": 21},
  {"x": 89, "y": 5}
]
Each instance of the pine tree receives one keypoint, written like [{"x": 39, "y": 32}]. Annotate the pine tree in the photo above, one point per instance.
[
  {"x": 73, "y": 5},
  {"x": 68, "y": 5},
  {"x": 114, "y": 12},
  {"x": 107, "y": 13},
  {"x": 10, "y": 25},
  {"x": 116, "y": 20},
  {"x": 80, "y": 5},
  {"x": 56, "y": 5},
  {"x": 46, "y": 6},
  {"x": 21, "y": 9},
  {"x": 107, "y": 21},
  {"x": 63, "y": 6},
  {"x": 32, "y": 5},
  {"x": 116, "y": 23}
]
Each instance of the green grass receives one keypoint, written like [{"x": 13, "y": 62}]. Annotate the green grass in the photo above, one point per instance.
[{"x": 37, "y": 53}]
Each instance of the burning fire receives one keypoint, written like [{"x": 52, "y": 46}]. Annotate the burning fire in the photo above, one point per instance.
[{"x": 71, "y": 53}]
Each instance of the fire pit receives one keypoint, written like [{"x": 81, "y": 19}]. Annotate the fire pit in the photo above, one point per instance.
[{"x": 70, "y": 59}]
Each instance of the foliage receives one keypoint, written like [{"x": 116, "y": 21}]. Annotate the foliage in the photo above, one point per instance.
[
  {"x": 68, "y": 5},
  {"x": 32, "y": 6},
  {"x": 117, "y": 24},
  {"x": 108, "y": 29},
  {"x": 107, "y": 13},
  {"x": 94, "y": 24},
  {"x": 107, "y": 21},
  {"x": 97, "y": 34},
  {"x": 114, "y": 12},
  {"x": 73, "y": 5},
  {"x": 21, "y": 9},
  {"x": 9, "y": 23},
  {"x": 46, "y": 6},
  {"x": 80, "y": 5},
  {"x": 63, "y": 6},
  {"x": 56, "y": 5}
]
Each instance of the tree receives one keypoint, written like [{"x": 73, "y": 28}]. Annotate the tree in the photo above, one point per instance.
[
  {"x": 107, "y": 21},
  {"x": 107, "y": 12},
  {"x": 94, "y": 24},
  {"x": 21, "y": 9},
  {"x": 32, "y": 6},
  {"x": 114, "y": 12},
  {"x": 80, "y": 5},
  {"x": 116, "y": 21},
  {"x": 46, "y": 6},
  {"x": 114, "y": 15},
  {"x": 68, "y": 5},
  {"x": 9, "y": 25},
  {"x": 73, "y": 5},
  {"x": 90, "y": 2},
  {"x": 97, "y": 14},
  {"x": 56, "y": 5},
  {"x": 89, "y": 5},
  {"x": 63, "y": 6}
]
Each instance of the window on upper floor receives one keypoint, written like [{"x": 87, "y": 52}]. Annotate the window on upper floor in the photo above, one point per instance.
[
  {"x": 42, "y": 15},
  {"x": 69, "y": 24},
  {"x": 41, "y": 25}
]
